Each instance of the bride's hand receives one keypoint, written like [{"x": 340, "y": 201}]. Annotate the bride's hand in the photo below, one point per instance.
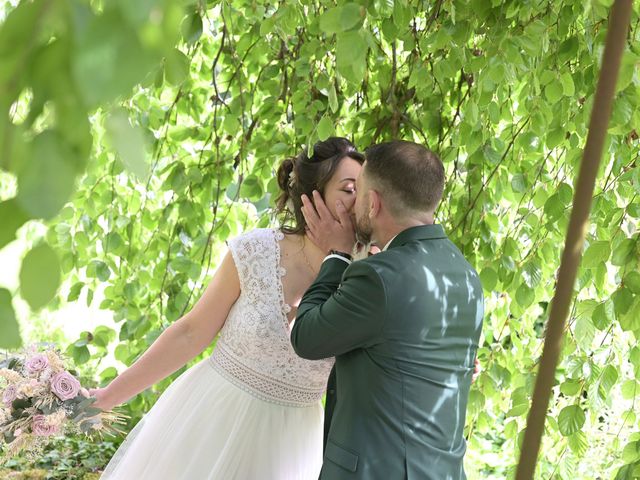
[
  {"x": 476, "y": 371},
  {"x": 102, "y": 399}
]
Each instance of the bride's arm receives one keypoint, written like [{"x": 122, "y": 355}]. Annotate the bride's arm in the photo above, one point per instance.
[{"x": 180, "y": 342}]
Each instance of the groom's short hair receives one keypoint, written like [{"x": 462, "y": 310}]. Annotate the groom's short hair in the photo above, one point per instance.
[{"x": 408, "y": 175}]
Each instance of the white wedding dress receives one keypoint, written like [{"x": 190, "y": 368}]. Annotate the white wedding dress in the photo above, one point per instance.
[{"x": 252, "y": 410}]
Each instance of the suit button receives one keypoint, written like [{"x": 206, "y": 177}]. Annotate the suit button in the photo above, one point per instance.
[{"x": 331, "y": 392}]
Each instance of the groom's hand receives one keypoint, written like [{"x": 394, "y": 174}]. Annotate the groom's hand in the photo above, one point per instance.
[{"x": 323, "y": 229}]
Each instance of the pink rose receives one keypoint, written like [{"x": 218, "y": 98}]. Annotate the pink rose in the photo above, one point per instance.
[
  {"x": 9, "y": 395},
  {"x": 41, "y": 428},
  {"x": 37, "y": 363},
  {"x": 65, "y": 386}
]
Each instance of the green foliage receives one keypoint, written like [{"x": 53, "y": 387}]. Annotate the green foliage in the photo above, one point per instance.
[
  {"x": 70, "y": 458},
  {"x": 187, "y": 140},
  {"x": 61, "y": 60},
  {"x": 8, "y": 324}
]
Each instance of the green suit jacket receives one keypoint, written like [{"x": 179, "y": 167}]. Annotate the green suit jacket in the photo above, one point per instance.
[{"x": 404, "y": 327}]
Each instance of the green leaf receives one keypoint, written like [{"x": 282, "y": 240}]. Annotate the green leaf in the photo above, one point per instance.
[
  {"x": 621, "y": 115},
  {"x": 553, "y": 91},
  {"x": 632, "y": 281},
  {"x": 471, "y": 109},
  {"x": 403, "y": 14},
  {"x": 630, "y": 389},
  {"x": 99, "y": 270},
  {"x": 525, "y": 296},
  {"x": 266, "y": 27},
  {"x": 570, "y": 420},
  {"x": 39, "y": 276},
  {"x": 12, "y": 217},
  {"x": 122, "y": 353},
  {"x": 333, "y": 99},
  {"x": 622, "y": 300},
  {"x": 578, "y": 443},
  {"x": 330, "y": 20},
  {"x": 602, "y": 315},
  {"x": 340, "y": 19},
  {"x": 128, "y": 141},
  {"x": 608, "y": 379},
  {"x": 131, "y": 290},
  {"x": 491, "y": 154},
  {"x": 85, "y": 338},
  {"x": 102, "y": 336},
  {"x": 9, "y": 329},
  {"x": 176, "y": 67},
  {"x": 571, "y": 387},
  {"x": 623, "y": 252},
  {"x": 568, "y": 88},
  {"x": 630, "y": 319},
  {"x": 595, "y": 253},
  {"x": 112, "y": 243},
  {"x": 80, "y": 354},
  {"x": 631, "y": 452},
  {"x": 136, "y": 13},
  {"x": 518, "y": 410},
  {"x": 325, "y": 128},
  {"x": 74, "y": 291},
  {"x": 532, "y": 274},
  {"x": 109, "y": 58},
  {"x": 351, "y": 16},
  {"x": 568, "y": 49},
  {"x": 252, "y": 188},
  {"x": 628, "y": 67},
  {"x": 192, "y": 28},
  {"x": 555, "y": 137},
  {"x": 108, "y": 374},
  {"x": 565, "y": 193},
  {"x": 46, "y": 180},
  {"x": 584, "y": 332},
  {"x": 553, "y": 207},
  {"x": 518, "y": 183},
  {"x": 16, "y": 43},
  {"x": 634, "y": 357},
  {"x": 351, "y": 51},
  {"x": 488, "y": 278},
  {"x": 181, "y": 264}
]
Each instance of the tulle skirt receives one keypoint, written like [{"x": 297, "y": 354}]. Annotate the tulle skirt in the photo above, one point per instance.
[{"x": 205, "y": 427}]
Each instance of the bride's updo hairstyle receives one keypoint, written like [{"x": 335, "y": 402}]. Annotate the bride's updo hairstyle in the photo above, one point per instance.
[{"x": 304, "y": 174}]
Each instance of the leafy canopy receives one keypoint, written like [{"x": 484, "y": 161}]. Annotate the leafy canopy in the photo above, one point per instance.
[{"x": 171, "y": 144}]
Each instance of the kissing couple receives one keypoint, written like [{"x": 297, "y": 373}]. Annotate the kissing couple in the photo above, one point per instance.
[{"x": 390, "y": 337}]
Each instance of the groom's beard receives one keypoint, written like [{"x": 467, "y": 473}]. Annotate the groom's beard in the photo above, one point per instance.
[{"x": 363, "y": 229}]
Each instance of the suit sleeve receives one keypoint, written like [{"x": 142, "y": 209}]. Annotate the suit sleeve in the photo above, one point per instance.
[{"x": 334, "y": 318}]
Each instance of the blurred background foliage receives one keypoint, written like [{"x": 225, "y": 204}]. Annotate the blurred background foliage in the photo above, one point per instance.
[{"x": 137, "y": 137}]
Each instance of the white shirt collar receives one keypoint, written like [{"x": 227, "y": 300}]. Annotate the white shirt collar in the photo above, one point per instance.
[{"x": 389, "y": 243}]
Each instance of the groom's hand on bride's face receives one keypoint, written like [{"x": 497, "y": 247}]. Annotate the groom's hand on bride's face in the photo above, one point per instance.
[{"x": 327, "y": 232}]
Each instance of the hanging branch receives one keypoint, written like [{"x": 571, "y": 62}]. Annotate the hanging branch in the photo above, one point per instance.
[
  {"x": 602, "y": 106},
  {"x": 472, "y": 203}
]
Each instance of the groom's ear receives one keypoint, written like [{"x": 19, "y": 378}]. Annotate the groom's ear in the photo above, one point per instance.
[{"x": 375, "y": 203}]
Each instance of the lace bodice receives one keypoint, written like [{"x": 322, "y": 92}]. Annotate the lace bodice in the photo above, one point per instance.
[{"x": 254, "y": 351}]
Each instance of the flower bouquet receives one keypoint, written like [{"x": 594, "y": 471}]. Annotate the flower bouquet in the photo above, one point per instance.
[{"x": 42, "y": 398}]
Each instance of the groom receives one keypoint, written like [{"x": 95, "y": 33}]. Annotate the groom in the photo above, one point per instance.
[{"x": 403, "y": 324}]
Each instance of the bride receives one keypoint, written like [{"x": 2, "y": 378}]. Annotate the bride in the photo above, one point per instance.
[{"x": 252, "y": 410}]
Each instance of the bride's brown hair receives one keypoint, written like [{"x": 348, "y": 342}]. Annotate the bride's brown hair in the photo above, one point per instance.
[{"x": 303, "y": 174}]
